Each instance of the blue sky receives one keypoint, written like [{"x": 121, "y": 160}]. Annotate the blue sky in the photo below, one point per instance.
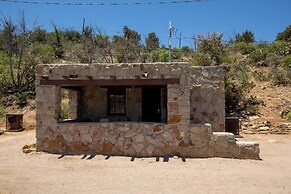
[{"x": 263, "y": 17}]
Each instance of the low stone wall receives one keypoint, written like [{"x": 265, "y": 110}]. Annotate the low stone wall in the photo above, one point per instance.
[{"x": 143, "y": 140}]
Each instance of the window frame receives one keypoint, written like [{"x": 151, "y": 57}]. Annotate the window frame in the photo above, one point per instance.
[{"x": 118, "y": 103}]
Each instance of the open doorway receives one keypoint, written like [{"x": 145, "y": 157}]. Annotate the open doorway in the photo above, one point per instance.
[{"x": 151, "y": 104}]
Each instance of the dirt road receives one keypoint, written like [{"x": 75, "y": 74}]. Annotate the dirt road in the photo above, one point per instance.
[{"x": 47, "y": 173}]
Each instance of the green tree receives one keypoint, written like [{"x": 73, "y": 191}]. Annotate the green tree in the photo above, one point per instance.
[
  {"x": 57, "y": 42},
  {"x": 152, "y": 42},
  {"x": 247, "y": 37},
  {"x": 127, "y": 47},
  {"x": 212, "y": 47},
  {"x": 17, "y": 71},
  {"x": 285, "y": 35},
  {"x": 104, "y": 47},
  {"x": 88, "y": 45},
  {"x": 38, "y": 36}
]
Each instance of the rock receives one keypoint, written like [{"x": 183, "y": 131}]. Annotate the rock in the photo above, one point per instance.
[
  {"x": 29, "y": 148},
  {"x": 1, "y": 131},
  {"x": 175, "y": 119},
  {"x": 176, "y": 134},
  {"x": 264, "y": 128},
  {"x": 138, "y": 147},
  {"x": 150, "y": 149},
  {"x": 173, "y": 107},
  {"x": 107, "y": 147},
  {"x": 185, "y": 144},
  {"x": 139, "y": 138},
  {"x": 157, "y": 128},
  {"x": 86, "y": 138},
  {"x": 249, "y": 132},
  {"x": 77, "y": 146}
]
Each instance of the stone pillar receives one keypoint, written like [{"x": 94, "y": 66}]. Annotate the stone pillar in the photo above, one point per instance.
[
  {"x": 48, "y": 109},
  {"x": 73, "y": 104}
]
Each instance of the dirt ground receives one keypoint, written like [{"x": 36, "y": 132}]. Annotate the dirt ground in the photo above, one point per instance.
[{"x": 49, "y": 173}]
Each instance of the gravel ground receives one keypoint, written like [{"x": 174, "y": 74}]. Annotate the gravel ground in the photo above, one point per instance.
[{"x": 49, "y": 173}]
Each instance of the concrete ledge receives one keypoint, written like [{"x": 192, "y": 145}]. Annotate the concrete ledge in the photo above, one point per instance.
[
  {"x": 223, "y": 134},
  {"x": 247, "y": 143}
]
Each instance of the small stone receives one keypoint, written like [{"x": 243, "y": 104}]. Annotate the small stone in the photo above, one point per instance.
[
  {"x": 176, "y": 134},
  {"x": 175, "y": 119},
  {"x": 107, "y": 147},
  {"x": 264, "y": 128},
  {"x": 157, "y": 128},
  {"x": 86, "y": 138},
  {"x": 139, "y": 138},
  {"x": 77, "y": 146},
  {"x": 150, "y": 149},
  {"x": 138, "y": 147}
]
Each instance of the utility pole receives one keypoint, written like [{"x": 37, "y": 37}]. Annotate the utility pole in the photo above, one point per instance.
[
  {"x": 83, "y": 26},
  {"x": 180, "y": 40},
  {"x": 195, "y": 42},
  {"x": 171, "y": 29}
]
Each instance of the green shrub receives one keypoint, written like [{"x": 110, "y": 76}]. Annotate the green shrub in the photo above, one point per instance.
[
  {"x": 64, "y": 110},
  {"x": 260, "y": 76},
  {"x": 252, "y": 105},
  {"x": 264, "y": 50},
  {"x": 2, "y": 110},
  {"x": 159, "y": 55},
  {"x": 286, "y": 62},
  {"x": 288, "y": 115},
  {"x": 259, "y": 54},
  {"x": 200, "y": 59},
  {"x": 21, "y": 99},
  {"x": 280, "y": 76},
  {"x": 272, "y": 59},
  {"x": 244, "y": 48},
  {"x": 43, "y": 53},
  {"x": 229, "y": 59}
]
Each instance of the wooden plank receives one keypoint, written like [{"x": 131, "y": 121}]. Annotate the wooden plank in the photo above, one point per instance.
[{"x": 111, "y": 82}]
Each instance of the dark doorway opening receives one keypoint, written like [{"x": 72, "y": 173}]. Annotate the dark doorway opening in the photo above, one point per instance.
[{"x": 151, "y": 104}]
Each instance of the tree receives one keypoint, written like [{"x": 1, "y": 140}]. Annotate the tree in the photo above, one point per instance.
[
  {"x": 152, "y": 42},
  {"x": 104, "y": 47},
  {"x": 17, "y": 76},
  {"x": 56, "y": 41},
  {"x": 87, "y": 41},
  {"x": 247, "y": 37},
  {"x": 212, "y": 47},
  {"x": 127, "y": 47},
  {"x": 285, "y": 35},
  {"x": 72, "y": 35},
  {"x": 38, "y": 36}
]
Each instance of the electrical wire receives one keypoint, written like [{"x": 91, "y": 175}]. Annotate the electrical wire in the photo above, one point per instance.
[{"x": 105, "y": 4}]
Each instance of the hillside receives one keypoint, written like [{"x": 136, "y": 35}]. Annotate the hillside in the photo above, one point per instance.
[{"x": 269, "y": 119}]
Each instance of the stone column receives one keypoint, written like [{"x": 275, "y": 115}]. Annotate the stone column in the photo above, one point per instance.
[{"x": 73, "y": 104}]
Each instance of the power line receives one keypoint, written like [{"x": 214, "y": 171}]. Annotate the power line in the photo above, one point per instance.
[{"x": 105, "y": 4}]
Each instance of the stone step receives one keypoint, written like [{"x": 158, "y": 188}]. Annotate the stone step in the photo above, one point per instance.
[
  {"x": 223, "y": 137},
  {"x": 227, "y": 134},
  {"x": 248, "y": 150}
]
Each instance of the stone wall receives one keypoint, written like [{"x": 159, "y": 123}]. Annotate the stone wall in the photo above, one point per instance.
[
  {"x": 196, "y": 100},
  {"x": 144, "y": 140}
]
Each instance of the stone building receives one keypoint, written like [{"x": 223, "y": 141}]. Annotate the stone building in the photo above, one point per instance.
[{"x": 159, "y": 109}]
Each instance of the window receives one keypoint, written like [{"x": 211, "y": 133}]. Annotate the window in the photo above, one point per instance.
[{"x": 116, "y": 101}]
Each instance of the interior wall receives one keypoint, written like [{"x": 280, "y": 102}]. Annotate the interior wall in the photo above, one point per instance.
[
  {"x": 93, "y": 103},
  {"x": 133, "y": 104}
]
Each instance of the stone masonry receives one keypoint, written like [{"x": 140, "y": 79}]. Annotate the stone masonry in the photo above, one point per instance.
[{"x": 193, "y": 124}]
